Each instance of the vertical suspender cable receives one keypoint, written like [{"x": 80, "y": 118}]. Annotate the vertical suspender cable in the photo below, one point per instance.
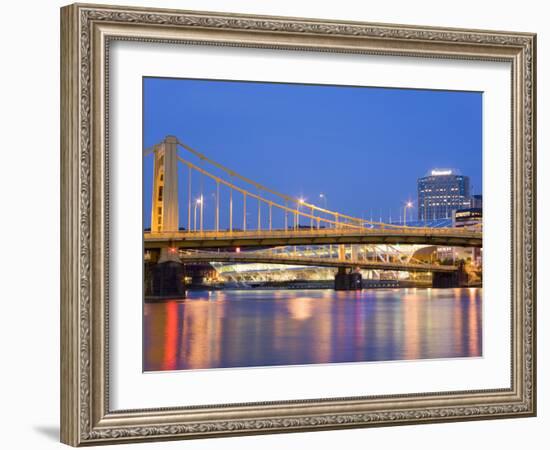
[
  {"x": 230, "y": 209},
  {"x": 259, "y": 214},
  {"x": 244, "y": 211},
  {"x": 189, "y": 200},
  {"x": 217, "y": 206}
]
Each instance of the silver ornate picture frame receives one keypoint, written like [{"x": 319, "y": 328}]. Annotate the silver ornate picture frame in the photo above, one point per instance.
[{"x": 87, "y": 31}]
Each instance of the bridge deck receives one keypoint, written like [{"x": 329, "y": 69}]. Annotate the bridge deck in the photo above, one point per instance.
[
  {"x": 221, "y": 239},
  {"x": 271, "y": 258}
]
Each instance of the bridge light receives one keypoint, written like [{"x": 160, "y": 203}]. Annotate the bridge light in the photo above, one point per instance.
[{"x": 407, "y": 204}]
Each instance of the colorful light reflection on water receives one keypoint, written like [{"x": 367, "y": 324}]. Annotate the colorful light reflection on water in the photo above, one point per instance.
[{"x": 285, "y": 327}]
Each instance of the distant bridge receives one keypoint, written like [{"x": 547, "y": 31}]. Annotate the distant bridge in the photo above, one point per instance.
[
  {"x": 456, "y": 237},
  {"x": 300, "y": 260}
]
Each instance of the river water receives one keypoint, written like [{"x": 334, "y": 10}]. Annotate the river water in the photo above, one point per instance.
[{"x": 247, "y": 328}]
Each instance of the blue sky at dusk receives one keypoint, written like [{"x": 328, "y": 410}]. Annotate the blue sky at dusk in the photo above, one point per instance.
[{"x": 364, "y": 148}]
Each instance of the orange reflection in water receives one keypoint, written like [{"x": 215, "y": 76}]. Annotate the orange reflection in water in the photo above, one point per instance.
[
  {"x": 474, "y": 323},
  {"x": 301, "y": 308},
  {"x": 200, "y": 334},
  {"x": 411, "y": 325},
  {"x": 171, "y": 336}
]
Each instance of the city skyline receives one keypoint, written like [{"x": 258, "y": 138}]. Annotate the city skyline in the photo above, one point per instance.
[{"x": 236, "y": 124}]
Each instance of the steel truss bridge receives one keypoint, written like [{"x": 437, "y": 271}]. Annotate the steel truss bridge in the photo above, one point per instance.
[
  {"x": 224, "y": 209},
  {"x": 313, "y": 261}
]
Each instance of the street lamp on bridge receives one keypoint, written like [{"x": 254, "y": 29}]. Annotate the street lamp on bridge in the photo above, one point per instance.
[
  {"x": 324, "y": 198},
  {"x": 198, "y": 202},
  {"x": 407, "y": 205},
  {"x": 301, "y": 201}
]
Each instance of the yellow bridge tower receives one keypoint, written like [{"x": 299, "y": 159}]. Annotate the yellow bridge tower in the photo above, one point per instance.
[{"x": 164, "y": 211}]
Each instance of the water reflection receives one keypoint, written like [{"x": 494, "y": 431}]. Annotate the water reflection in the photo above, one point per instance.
[{"x": 284, "y": 327}]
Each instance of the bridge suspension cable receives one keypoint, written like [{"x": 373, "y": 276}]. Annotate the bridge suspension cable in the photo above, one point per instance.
[
  {"x": 247, "y": 194},
  {"x": 300, "y": 202},
  {"x": 149, "y": 150}
]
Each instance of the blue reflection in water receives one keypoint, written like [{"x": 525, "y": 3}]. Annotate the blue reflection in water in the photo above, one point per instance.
[{"x": 284, "y": 327}]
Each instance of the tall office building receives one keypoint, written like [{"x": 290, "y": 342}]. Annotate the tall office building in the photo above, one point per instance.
[{"x": 442, "y": 192}]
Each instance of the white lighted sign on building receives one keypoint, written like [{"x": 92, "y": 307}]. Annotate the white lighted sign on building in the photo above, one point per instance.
[
  {"x": 468, "y": 214},
  {"x": 441, "y": 172}
]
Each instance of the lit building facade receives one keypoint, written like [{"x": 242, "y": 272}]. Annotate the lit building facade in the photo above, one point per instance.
[
  {"x": 442, "y": 192},
  {"x": 467, "y": 217},
  {"x": 470, "y": 217}
]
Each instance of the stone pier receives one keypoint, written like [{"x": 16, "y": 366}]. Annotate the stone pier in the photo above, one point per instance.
[
  {"x": 167, "y": 277},
  {"x": 346, "y": 280},
  {"x": 450, "y": 279}
]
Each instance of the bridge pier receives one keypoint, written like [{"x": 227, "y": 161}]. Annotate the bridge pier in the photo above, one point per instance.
[
  {"x": 347, "y": 281},
  {"x": 166, "y": 277},
  {"x": 459, "y": 278}
]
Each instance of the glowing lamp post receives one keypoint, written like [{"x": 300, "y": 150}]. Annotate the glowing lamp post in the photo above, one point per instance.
[
  {"x": 324, "y": 198},
  {"x": 407, "y": 205},
  {"x": 301, "y": 201},
  {"x": 198, "y": 202}
]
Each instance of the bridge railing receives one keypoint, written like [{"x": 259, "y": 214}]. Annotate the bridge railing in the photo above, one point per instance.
[{"x": 405, "y": 231}]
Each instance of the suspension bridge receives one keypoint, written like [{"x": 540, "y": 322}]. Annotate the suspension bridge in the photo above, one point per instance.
[{"x": 245, "y": 213}]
